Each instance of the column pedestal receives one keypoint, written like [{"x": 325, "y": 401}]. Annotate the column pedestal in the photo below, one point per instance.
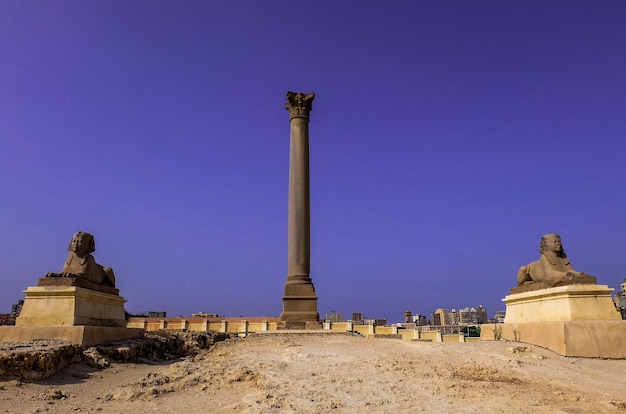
[{"x": 299, "y": 307}]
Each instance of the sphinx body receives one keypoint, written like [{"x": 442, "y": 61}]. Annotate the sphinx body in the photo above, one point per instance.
[
  {"x": 80, "y": 263},
  {"x": 552, "y": 266}
]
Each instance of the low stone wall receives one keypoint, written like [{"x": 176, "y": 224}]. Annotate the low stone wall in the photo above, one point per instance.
[
  {"x": 409, "y": 334},
  {"x": 386, "y": 330},
  {"x": 453, "y": 338},
  {"x": 433, "y": 336},
  {"x": 238, "y": 326},
  {"x": 78, "y": 335},
  {"x": 364, "y": 329},
  {"x": 243, "y": 327}
]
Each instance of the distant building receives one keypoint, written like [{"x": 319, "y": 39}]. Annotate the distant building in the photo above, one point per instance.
[
  {"x": 5, "y": 319},
  {"x": 444, "y": 316},
  {"x": 472, "y": 316},
  {"x": 334, "y": 317},
  {"x": 357, "y": 317},
  {"x": 375, "y": 322},
  {"x": 438, "y": 317},
  {"x": 157, "y": 314},
  {"x": 622, "y": 305},
  {"x": 465, "y": 316},
  {"x": 620, "y": 300},
  {"x": 420, "y": 320},
  {"x": 408, "y": 316},
  {"x": 481, "y": 313},
  {"x": 405, "y": 325},
  {"x": 455, "y": 317},
  {"x": 499, "y": 316},
  {"x": 15, "y": 311}
]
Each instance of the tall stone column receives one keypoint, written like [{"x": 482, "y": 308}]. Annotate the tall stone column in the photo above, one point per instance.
[{"x": 300, "y": 300}]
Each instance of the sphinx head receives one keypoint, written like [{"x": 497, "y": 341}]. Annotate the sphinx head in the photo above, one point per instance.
[
  {"x": 551, "y": 243},
  {"x": 82, "y": 244}
]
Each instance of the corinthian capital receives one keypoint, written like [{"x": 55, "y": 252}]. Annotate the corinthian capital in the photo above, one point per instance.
[{"x": 299, "y": 104}]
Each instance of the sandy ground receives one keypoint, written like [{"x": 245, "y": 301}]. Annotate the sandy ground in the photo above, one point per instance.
[{"x": 338, "y": 374}]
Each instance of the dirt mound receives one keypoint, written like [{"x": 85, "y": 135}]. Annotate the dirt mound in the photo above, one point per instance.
[{"x": 39, "y": 359}]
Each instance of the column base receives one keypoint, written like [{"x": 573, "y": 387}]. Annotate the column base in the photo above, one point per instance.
[
  {"x": 299, "y": 307},
  {"x": 298, "y": 326}
]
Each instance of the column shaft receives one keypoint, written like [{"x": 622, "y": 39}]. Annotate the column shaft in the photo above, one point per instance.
[{"x": 299, "y": 250}]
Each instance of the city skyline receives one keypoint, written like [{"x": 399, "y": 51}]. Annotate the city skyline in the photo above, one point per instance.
[{"x": 445, "y": 140}]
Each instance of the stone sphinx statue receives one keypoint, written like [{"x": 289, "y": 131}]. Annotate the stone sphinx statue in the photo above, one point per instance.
[
  {"x": 81, "y": 264},
  {"x": 553, "y": 267}
]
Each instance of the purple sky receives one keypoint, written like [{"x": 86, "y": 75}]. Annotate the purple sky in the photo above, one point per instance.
[{"x": 445, "y": 139}]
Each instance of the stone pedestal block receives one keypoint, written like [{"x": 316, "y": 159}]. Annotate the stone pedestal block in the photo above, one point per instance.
[
  {"x": 79, "y": 335},
  {"x": 562, "y": 303},
  {"x": 591, "y": 339},
  {"x": 299, "y": 306},
  {"x": 574, "y": 320},
  {"x": 71, "y": 306}
]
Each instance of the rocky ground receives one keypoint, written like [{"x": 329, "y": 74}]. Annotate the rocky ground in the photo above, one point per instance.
[{"x": 328, "y": 373}]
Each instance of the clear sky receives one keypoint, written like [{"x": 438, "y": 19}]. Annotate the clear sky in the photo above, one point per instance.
[{"x": 445, "y": 138}]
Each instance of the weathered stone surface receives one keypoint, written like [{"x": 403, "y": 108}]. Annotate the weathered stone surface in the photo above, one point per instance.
[
  {"x": 591, "y": 339},
  {"x": 552, "y": 266},
  {"x": 158, "y": 345},
  {"x": 79, "y": 335},
  {"x": 576, "y": 302},
  {"x": 299, "y": 104},
  {"x": 70, "y": 306},
  {"x": 572, "y": 279},
  {"x": 39, "y": 359},
  {"x": 81, "y": 264},
  {"x": 77, "y": 281}
]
